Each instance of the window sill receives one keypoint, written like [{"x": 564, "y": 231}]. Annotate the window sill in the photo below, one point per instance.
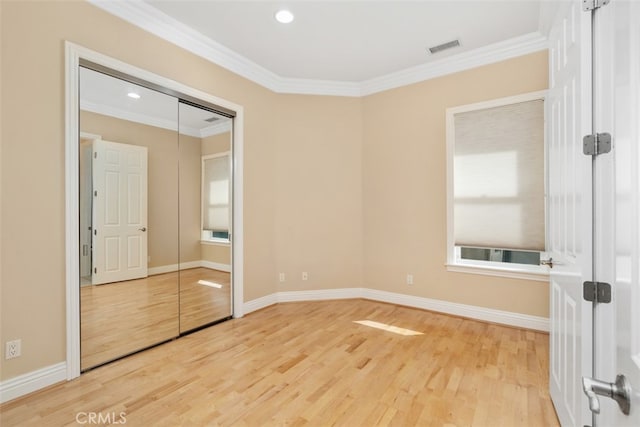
[
  {"x": 221, "y": 242},
  {"x": 533, "y": 272}
]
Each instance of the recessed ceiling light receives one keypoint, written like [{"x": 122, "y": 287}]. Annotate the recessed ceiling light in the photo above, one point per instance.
[
  {"x": 133, "y": 95},
  {"x": 284, "y": 16}
]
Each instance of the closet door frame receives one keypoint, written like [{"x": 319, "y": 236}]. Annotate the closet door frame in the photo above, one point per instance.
[{"x": 74, "y": 54}]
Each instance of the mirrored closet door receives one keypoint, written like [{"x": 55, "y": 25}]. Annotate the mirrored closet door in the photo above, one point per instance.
[
  {"x": 205, "y": 216},
  {"x": 155, "y": 207}
]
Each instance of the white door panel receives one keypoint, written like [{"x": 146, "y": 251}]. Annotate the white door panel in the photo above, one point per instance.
[
  {"x": 119, "y": 212},
  {"x": 569, "y": 209},
  {"x": 618, "y": 202}
]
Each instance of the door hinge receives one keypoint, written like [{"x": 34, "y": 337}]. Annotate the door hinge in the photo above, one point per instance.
[
  {"x": 95, "y": 154},
  {"x": 599, "y": 292},
  {"x": 593, "y": 145},
  {"x": 95, "y": 270},
  {"x": 589, "y": 5}
]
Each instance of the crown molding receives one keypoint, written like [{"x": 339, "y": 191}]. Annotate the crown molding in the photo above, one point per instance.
[
  {"x": 158, "y": 23},
  {"x": 518, "y": 46}
]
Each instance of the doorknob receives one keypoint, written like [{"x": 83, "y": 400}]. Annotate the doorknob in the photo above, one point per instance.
[
  {"x": 620, "y": 391},
  {"x": 548, "y": 262},
  {"x": 143, "y": 229}
]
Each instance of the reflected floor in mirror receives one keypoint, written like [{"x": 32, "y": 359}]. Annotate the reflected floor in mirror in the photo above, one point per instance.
[
  {"x": 121, "y": 318},
  {"x": 205, "y": 296}
]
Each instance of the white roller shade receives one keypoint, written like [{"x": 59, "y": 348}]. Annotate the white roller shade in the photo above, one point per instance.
[
  {"x": 499, "y": 177},
  {"x": 215, "y": 194}
]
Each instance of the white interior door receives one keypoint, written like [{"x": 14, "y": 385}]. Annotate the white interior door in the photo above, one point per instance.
[
  {"x": 569, "y": 210},
  {"x": 617, "y": 201},
  {"x": 119, "y": 212}
]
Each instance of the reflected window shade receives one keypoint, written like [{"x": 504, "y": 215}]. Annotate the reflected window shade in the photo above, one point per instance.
[
  {"x": 499, "y": 177},
  {"x": 215, "y": 195}
]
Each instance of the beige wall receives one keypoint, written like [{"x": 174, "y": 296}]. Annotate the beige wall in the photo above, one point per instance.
[
  {"x": 404, "y": 202},
  {"x": 220, "y": 254},
  {"x": 349, "y": 190},
  {"x": 318, "y": 206},
  {"x": 216, "y": 143}
]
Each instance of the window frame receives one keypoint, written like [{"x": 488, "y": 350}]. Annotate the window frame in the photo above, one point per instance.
[
  {"x": 214, "y": 240},
  {"x": 492, "y": 268}
]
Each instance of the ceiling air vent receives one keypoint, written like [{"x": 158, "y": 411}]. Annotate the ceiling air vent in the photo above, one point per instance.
[
  {"x": 212, "y": 119},
  {"x": 444, "y": 46}
]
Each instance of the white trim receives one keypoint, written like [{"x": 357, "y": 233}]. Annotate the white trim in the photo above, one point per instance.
[
  {"x": 498, "y": 102},
  {"x": 216, "y": 266},
  {"x": 162, "y": 25},
  {"x": 72, "y": 221},
  {"x": 32, "y": 381},
  {"x": 471, "y": 311},
  {"x": 319, "y": 295},
  {"x": 170, "y": 268},
  {"x": 260, "y": 303},
  {"x": 73, "y": 54},
  {"x": 508, "y": 318},
  {"x": 220, "y": 242},
  {"x": 542, "y": 275},
  {"x": 318, "y": 87},
  {"x": 480, "y": 267}
]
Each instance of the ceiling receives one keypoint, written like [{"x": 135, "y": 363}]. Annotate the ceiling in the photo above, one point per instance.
[
  {"x": 347, "y": 48},
  {"x": 352, "y": 41}
]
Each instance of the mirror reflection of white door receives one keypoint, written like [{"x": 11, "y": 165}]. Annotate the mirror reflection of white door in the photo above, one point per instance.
[
  {"x": 618, "y": 202},
  {"x": 569, "y": 211},
  {"x": 119, "y": 212}
]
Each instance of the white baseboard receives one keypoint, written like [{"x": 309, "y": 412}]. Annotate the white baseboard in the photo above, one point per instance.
[
  {"x": 321, "y": 294},
  {"x": 186, "y": 265},
  {"x": 471, "y": 311},
  {"x": 32, "y": 381},
  {"x": 259, "y": 303},
  {"x": 215, "y": 266}
]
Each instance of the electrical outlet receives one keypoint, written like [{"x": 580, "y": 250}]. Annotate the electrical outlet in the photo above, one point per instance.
[
  {"x": 282, "y": 277},
  {"x": 409, "y": 279},
  {"x": 13, "y": 349},
  {"x": 305, "y": 275}
]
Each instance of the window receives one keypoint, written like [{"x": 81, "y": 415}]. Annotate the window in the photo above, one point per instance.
[
  {"x": 216, "y": 191},
  {"x": 496, "y": 186}
]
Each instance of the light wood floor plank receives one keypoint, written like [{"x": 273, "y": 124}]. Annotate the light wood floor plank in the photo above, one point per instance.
[{"x": 309, "y": 364}]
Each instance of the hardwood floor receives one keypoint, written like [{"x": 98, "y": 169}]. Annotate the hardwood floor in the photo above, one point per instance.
[{"x": 309, "y": 363}]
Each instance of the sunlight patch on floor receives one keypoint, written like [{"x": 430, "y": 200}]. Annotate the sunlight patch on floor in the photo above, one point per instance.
[
  {"x": 208, "y": 283},
  {"x": 389, "y": 328}
]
